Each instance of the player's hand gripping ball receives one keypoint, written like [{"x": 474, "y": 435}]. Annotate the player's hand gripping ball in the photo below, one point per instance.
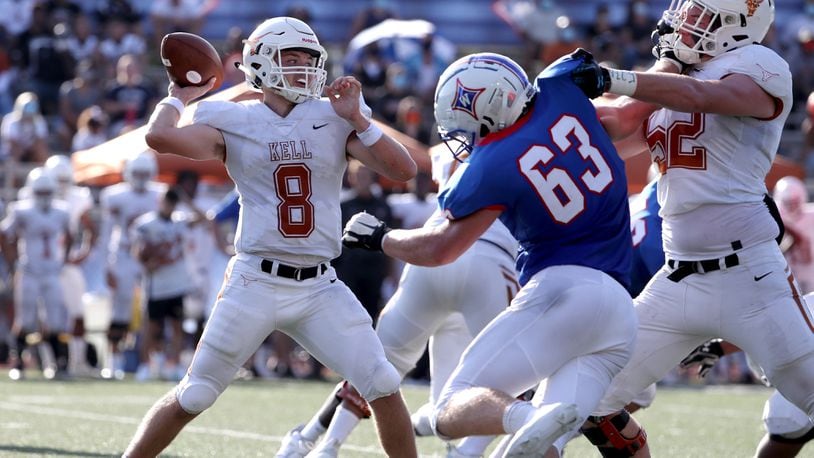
[{"x": 190, "y": 60}]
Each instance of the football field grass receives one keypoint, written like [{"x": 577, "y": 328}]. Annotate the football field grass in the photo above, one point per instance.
[{"x": 97, "y": 419}]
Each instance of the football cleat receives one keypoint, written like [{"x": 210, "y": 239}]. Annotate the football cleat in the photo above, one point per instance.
[
  {"x": 548, "y": 423},
  {"x": 294, "y": 445}
]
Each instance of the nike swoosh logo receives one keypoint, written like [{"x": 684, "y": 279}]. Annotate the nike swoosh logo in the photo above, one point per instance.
[
  {"x": 762, "y": 276},
  {"x": 315, "y": 127},
  {"x": 333, "y": 281},
  {"x": 367, "y": 226}
]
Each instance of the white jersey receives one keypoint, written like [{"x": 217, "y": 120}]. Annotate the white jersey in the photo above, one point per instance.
[
  {"x": 410, "y": 211},
  {"x": 288, "y": 172},
  {"x": 121, "y": 205},
  {"x": 40, "y": 235},
  {"x": 714, "y": 166},
  {"x": 169, "y": 280},
  {"x": 77, "y": 200}
]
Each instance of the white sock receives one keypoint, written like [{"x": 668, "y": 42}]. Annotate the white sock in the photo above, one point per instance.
[
  {"x": 342, "y": 424},
  {"x": 474, "y": 445},
  {"x": 516, "y": 415},
  {"x": 313, "y": 429}
]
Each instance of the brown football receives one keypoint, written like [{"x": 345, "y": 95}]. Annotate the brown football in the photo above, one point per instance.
[{"x": 190, "y": 60}]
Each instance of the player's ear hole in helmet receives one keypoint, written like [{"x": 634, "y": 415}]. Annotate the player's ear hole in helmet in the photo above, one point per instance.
[{"x": 477, "y": 95}]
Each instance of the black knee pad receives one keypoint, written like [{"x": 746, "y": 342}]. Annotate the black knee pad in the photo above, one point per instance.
[{"x": 608, "y": 439}]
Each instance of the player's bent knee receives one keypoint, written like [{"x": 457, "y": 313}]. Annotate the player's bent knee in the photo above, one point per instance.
[
  {"x": 384, "y": 382},
  {"x": 611, "y": 438},
  {"x": 195, "y": 396}
]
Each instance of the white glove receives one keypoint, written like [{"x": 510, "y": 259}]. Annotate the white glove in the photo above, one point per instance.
[{"x": 364, "y": 230}]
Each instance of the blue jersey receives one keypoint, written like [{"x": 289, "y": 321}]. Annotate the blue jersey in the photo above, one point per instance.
[
  {"x": 559, "y": 182},
  {"x": 228, "y": 209},
  {"x": 645, "y": 226}
]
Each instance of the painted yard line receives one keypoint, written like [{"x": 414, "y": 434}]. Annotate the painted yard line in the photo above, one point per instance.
[{"x": 35, "y": 409}]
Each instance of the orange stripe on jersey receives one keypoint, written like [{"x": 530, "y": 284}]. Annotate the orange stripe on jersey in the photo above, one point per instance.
[{"x": 802, "y": 307}]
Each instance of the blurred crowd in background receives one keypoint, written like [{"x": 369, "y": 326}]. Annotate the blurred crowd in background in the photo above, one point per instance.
[{"x": 74, "y": 74}]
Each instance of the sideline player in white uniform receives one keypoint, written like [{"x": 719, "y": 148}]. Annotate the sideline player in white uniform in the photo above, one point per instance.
[
  {"x": 35, "y": 238},
  {"x": 79, "y": 203},
  {"x": 713, "y": 132},
  {"x": 121, "y": 204},
  {"x": 287, "y": 155},
  {"x": 447, "y": 305},
  {"x": 798, "y": 215},
  {"x": 158, "y": 244}
]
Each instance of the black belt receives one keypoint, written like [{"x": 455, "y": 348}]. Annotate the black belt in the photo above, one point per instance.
[
  {"x": 294, "y": 273},
  {"x": 684, "y": 269}
]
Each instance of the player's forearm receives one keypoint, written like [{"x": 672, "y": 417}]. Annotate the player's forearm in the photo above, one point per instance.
[
  {"x": 420, "y": 247},
  {"x": 393, "y": 159},
  {"x": 161, "y": 126}
]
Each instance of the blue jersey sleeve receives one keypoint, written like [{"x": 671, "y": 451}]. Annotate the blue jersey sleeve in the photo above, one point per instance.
[
  {"x": 472, "y": 188},
  {"x": 228, "y": 209}
]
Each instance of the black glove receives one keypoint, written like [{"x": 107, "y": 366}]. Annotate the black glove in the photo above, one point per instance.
[
  {"x": 592, "y": 78},
  {"x": 662, "y": 50},
  {"x": 364, "y": 230},
  {"x": 707, "y": 355}
]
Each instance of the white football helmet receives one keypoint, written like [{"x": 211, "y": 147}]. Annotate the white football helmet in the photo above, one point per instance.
[
  {"x": 712, "y": 27},
  {"x": 261, "y": 59},
  {"x": 790, "y": 194},
  {"x": 43, "y": 186},
  {"x": 61, "y": 169},
  {"x": 141, "y": 169},
  {"x": 479, "y": 94}
]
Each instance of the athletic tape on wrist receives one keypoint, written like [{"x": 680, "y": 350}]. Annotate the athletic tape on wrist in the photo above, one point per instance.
[
  {"x": 174, "y": 102},
  {"x": 622, "y": 82},
  {"x": 370, "y": 135}
]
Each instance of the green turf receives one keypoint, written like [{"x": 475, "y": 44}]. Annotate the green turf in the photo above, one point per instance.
[{"x": 97, "y": 418}]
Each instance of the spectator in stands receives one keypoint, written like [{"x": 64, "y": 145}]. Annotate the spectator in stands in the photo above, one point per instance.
[
  {"x": 603, "y": 36},
  {"x": 8, "y": 73},
  {"x": 45, "y": 58},
  {"x": 412, "y": 119},
  {"x": 300, "y": 12},
  {"x": 120, "y": 41},
  {"x": 371, "y": 70},
  {"x": 76, "y": 95},
  {"x": 16, "y": 17},
  {"x": 364, "y": 271},
  {"x": 179, "y": 16},
  {"x": 92, "y": 129},
  {"x": 424, "y": 68},
  {"x": 378, "y": 11},
  {"x": 121, "y": 9},
  {"x": 637, "y": 29},
  {"x": 61, "y": 11},
  {"x": 132, "y": 98},
  {"x": 24, "y": 132},
  {"x": 397, "y": 86},
  {"x": 83, "y": 44},
  {"x": 800, "y": 57},
  {"x": 789, "y": 34},
  {"x": 232, "y": 52}
]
